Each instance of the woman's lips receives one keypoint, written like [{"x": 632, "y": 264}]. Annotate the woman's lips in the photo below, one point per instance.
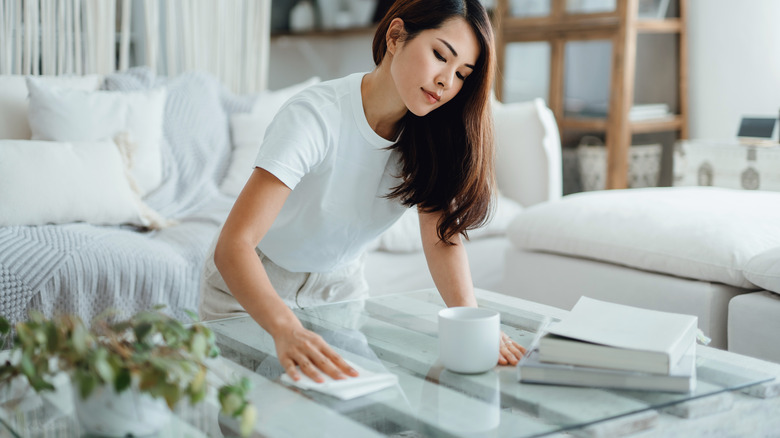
[{"x": 432, "y": 97}]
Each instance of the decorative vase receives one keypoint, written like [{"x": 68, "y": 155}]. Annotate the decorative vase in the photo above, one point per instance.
[{"x": 128, "y": 413}]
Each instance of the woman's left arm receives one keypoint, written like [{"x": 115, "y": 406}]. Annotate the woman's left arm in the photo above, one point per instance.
[{"x": 449, "y": 268}]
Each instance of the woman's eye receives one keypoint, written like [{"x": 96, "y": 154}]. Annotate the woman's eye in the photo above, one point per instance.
[
  {"x": 438, "y": 56},
  {"x": 460, "y": 76}
]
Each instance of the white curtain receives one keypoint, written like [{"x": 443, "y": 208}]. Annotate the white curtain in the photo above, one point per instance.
[
  {"x": 53, "y": 37},
  {"x": 228, "y": 38}
]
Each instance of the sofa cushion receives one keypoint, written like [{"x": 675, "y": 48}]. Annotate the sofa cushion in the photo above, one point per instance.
[
  {"x": 59, "y": 114},
  {"x": 704, "y": 233},
  {"x": 48, "y": 182},
  {"x": 763, "y": 270},
  {"x": 528, "y": 152},
  {"x": 13, "y": 100},
  {"x": 247, "y": 131},
  {"x": 196, "y": 150}
]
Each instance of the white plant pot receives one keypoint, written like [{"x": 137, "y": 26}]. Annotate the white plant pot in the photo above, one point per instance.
[{"x": 129, "y": 413}]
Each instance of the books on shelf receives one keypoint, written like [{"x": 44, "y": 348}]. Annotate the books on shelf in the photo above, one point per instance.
[
  {"x": 614, "y": 336},
  {"x": 649, "y": 111},
  {"x": 681, "y": 378},
  {"x": 637, "y": 112}
]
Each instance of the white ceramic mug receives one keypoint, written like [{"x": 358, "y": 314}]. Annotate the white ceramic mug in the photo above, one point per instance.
[{"x": 469, "y": 339}]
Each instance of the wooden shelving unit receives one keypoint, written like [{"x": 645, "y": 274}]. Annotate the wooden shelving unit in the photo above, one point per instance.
[{"x": 621, "y": 27}]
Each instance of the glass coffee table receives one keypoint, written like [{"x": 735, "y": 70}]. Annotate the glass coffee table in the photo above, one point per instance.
[{"x": 398, "y": 334}]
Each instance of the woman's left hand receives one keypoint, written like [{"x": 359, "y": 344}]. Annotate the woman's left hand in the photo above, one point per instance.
[{"x": 509, "y": 352}]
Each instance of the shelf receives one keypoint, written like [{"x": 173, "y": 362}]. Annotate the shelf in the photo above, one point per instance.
[
  {"x": 319, "y": 33},
  {"x": 584, "y": 124},
  {"x": 666, "y": 124},
  {"x": 669, "y": 25},
  {"x": 623, "y": 28}
]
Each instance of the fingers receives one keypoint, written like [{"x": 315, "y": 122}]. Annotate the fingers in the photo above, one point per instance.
[
  {"x": 340, "y": 363},
  {"x": 291, "y": 369},
  {"x": 311, "y": 356},
  {"x": 510, "y": 351}
]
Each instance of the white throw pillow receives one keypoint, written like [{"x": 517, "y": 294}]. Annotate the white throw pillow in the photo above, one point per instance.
[
  {"x": 404, "y": 235},
  {"x": 59, "y": 114},
  {"x": 528, "y": 152},
  {"x": 13, "y": 100},
  {"x": 247, "y": 131},
  {"x": 704, "y": 233},
  {"x": 44, "y": 182},
  {"x": 763, "y": 270}
]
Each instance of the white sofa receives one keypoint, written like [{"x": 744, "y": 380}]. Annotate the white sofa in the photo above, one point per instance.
[
  {"x": 705, "y": 251},
  {"x": 208, "y": 139}
]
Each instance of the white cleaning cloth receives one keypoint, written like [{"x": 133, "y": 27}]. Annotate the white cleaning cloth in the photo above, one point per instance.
[{"x": 351, "y": 387}]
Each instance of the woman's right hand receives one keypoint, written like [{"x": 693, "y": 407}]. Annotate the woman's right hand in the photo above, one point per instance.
[{"x": 301, "y": 348}]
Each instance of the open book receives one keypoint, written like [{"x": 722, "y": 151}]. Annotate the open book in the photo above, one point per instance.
[{"x": 615, "y": 336}]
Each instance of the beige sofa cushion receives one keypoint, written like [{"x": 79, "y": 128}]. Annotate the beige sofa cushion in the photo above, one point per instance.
[{"x": 704, "y": 233}]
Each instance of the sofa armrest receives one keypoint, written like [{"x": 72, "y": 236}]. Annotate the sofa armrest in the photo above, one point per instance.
[{"x": 528, "y": 152}]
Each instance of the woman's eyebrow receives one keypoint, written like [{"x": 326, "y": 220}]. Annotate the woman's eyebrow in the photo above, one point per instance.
[{"x": 452, "y": 49}]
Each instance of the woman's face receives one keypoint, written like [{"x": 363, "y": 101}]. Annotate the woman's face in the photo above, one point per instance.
[{"x": 429, "y": 70}]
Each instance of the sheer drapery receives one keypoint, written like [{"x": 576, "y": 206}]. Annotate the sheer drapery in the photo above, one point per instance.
[{"x": 228, "y": 38}]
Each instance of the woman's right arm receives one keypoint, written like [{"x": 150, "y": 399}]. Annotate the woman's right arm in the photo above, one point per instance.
[{"x": 254, "y": 211}]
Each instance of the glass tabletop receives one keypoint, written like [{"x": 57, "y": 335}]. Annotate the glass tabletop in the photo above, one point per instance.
[{"x": 397, "y": 334}]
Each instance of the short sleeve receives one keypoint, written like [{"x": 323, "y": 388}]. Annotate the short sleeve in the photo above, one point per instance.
[{"x": 296, "y": 142}]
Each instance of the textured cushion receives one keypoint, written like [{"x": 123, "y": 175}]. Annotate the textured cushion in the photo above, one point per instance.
[
  {"x": 703, "y": 233},
  {"x": 13, "y": 100},
  {"x": 45, "y": 182},
  {"x": 247, "y": 131},
  {"x": 763, "y": 270},
  {"x": 59, "y": 114},
  {"x": 404, "y": 235}
]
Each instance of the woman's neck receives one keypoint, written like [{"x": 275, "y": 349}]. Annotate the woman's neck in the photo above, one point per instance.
[{"x": 381, "y": 104}]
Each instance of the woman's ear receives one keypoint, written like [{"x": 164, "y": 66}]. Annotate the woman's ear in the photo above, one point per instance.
[{"x": 393, "y": 36}]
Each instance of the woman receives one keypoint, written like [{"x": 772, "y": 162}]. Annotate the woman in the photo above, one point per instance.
[{"x": 342, "y": 161}]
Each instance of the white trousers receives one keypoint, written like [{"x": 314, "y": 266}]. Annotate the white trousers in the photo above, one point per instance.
[{"x": 297, "y": 289}]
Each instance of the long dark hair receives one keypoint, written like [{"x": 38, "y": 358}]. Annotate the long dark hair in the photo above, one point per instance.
[{"x": 447, "y": 155}]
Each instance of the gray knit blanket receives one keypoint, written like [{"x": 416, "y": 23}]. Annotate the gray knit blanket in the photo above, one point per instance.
[{"x": 87, "y": 269}]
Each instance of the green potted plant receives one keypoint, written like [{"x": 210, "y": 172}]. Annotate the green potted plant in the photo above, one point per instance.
[{"x": 137, "y": 365}]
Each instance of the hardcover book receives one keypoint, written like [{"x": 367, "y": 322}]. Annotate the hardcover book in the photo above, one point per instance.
[
  {"x": 682, "y": 377},
  {"x": 615, "y": 336}
]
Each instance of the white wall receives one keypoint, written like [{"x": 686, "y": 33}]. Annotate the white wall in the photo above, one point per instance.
[{"x": 734, "y": 60}]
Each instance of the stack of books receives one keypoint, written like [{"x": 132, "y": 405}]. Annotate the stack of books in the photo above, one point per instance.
[
  {"x": 649, "y": 111},
  {"x": 607, "y": 345}
]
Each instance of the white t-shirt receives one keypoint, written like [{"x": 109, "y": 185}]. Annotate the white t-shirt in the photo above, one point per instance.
[{"x": 321, "y": 146}]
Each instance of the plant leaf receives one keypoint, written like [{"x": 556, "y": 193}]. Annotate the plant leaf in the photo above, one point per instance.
[
  {"x": 26, "y": 364},
  {"x": 5, "y": 327},
  {"x": 192, "y": 315},
  {"x": 248, "y": 418},
  {"x": 123, "y": 379},
  {"x": 87, "y": 383},
  {"x": 102, "y": 367},
  {"x": 231, "y": 402},
  {"x": 198, "y": 346},
  {"x": 141, "y": 330},
  {"x": 79, "y": 337}
]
